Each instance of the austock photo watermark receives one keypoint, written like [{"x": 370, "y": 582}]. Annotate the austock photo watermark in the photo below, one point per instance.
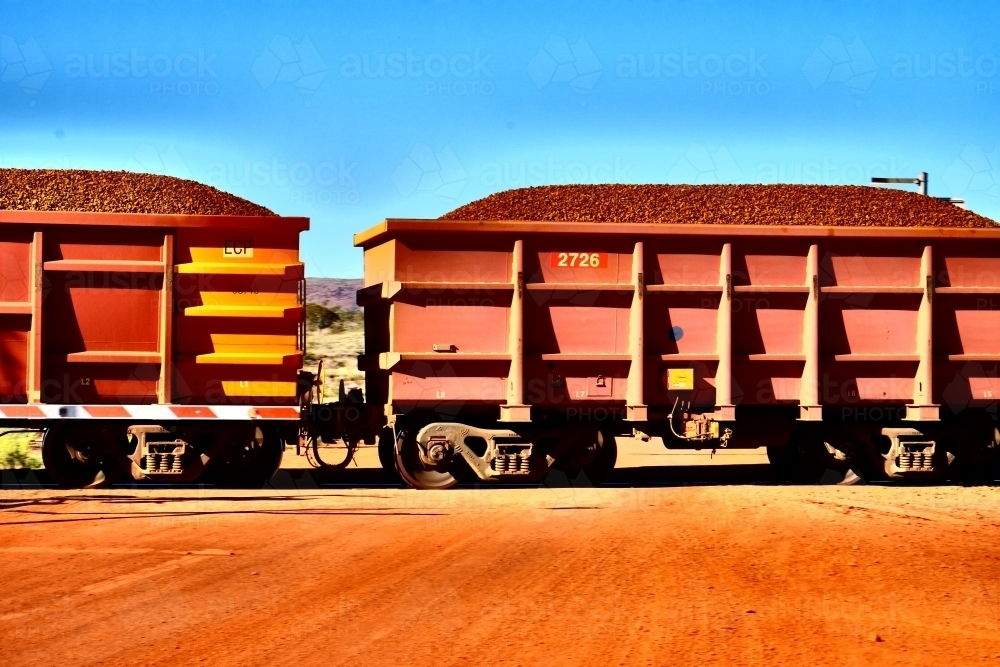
[
  {"x": 441, "y": 172},
  {"x": 850, "y": 63},
  {"x": 560, "y": 62},
  {"x": 974, "y": 171},
  {"x": 323, "y": 182},
  {"x": 838, "y": 62},
  {"x": 700, "y": 164},
  {"x": 457, "y": 74},
  {"x": 181, "y": 74},
  {"x": 575, "y": 64},
  {"x": 425, "y": 170},
  {"x": 730, "y": 74},
  {"x": 552, "y": 171},
  {"x": 827, "y": 171},
  {"x": 23, "y": 64},
  {"x": 148, "y": 158},
  {"x": 979, "y": 69},
  {"x": 283, "y": 62}
]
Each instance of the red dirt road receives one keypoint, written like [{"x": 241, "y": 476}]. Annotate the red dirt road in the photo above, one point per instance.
[{"x": 636, "y": 576}]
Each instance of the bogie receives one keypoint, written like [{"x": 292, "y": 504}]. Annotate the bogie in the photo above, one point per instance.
[
  {"x": 97, "y": 454},
  {"x": 439, "y": 455}
]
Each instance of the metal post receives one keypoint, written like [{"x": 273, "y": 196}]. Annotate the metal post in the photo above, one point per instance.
[
  {"x": 724, "y": 408},
  {"x": 34, "y": 379},
  {"x": 516, "y": 410},
  {"x": 635, "y": 399},
  {"x": 809, "y": 407},
  {"x": 923, "y": 407}
]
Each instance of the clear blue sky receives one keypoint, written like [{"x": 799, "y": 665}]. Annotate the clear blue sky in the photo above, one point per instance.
[{"x": 350, "y": 113}]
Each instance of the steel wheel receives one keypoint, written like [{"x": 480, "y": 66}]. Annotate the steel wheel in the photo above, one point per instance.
[
  {"x": 387, "y": 454},
  {"x": 591, "y": 451},
  {"x": 421, "y": 471},
  {"x": 251, "y": 458},
  {"x": 76, "y": 459},
  {"x": 605, "y": 455}
]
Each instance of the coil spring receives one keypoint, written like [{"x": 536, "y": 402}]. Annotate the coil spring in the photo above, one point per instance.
[
  {"x": 523, "y": 464},
  {"x": 175, "y": 465}
]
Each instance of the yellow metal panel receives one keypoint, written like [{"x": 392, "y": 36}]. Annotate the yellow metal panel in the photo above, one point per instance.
[
  {"x": 380, "y": 264},
  {"x": 257, "y": 358},
  {"x": 237, "y": 311},
  {"x": 253, "y": 343},
  {"x": 246, "y": 299},
  {"x": 680, "y": 379},
  {"x": 247, "y": 304},
  {"x": 240, "y": 268},
  {"x": 258, "y": 388},
  {"x": 244, "y": 252}
]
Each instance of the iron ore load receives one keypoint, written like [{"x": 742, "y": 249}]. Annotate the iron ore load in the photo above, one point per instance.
[
  {"x": 151, "y": 326},
  {"x": 844, "y": 328}
]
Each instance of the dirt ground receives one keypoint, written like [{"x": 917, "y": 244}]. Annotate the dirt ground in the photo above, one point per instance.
[{"x": 638, "y": 573}]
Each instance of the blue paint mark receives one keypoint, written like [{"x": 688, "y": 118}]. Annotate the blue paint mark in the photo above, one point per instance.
[{"x": 676, "y": 333}]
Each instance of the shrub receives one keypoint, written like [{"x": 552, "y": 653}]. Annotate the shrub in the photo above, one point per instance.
[
  {"x": 320, "y": 317},
  {"x": 15, "y": 451}
]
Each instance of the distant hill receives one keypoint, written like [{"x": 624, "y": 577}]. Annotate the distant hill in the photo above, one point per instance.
[{"x": 334, "y": 291}]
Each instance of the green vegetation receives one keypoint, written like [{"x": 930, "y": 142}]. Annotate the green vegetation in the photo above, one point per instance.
[
  {"x": 15, "y": 451},
  {"x": 319, "y": 317},
  {"x": 338, "y": 344}
]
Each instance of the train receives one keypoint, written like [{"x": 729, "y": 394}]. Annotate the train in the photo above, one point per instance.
[{"x": 170, "y": 347}]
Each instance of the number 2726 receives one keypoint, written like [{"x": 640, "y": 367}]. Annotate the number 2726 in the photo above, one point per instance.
[{"x": 593, "y": 260}]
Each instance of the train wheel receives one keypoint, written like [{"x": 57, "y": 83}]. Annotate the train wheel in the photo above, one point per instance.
[
  {"x": 437, "y": 469},
  {"x": 387, "y": 454},
  {"x": 800, "y": 461},
  {"x": 783, "y": 461},
  {"x": 605, "y": 455},
  {"x": 251, "y": 459},
  {"x": 76, "y": 458}
]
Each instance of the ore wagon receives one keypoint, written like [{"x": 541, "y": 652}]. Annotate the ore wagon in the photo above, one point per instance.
[
  {"x": 158, "y": 345},
  {"x": 841, "y": 328}
]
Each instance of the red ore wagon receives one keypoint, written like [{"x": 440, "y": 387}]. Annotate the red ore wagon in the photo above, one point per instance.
[
  {"x": 843, "y": 328},
  {"x": 152, "y": 327}
]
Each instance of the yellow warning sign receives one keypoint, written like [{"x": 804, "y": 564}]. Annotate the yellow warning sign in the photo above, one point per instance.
[{"x": 679, "y": 379}]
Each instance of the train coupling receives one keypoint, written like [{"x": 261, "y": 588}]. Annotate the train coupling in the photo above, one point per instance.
[
  {"x": 699, "y": 427},
  {"x": 703, "y": 428}
]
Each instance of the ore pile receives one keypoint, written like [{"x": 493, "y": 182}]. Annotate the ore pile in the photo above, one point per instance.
[
  {"x": 827, "y": 205},
  {"x": 115, "y": 192}
]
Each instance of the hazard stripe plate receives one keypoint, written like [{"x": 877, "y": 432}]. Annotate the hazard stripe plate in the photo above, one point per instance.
[{"x": 148, "y": 412}]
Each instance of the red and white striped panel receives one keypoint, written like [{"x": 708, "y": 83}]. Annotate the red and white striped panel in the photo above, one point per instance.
[{"x": 149, "y": 412}]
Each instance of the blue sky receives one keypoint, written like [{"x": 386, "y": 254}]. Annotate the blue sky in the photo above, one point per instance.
[{"x": 351, "y": 113}]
